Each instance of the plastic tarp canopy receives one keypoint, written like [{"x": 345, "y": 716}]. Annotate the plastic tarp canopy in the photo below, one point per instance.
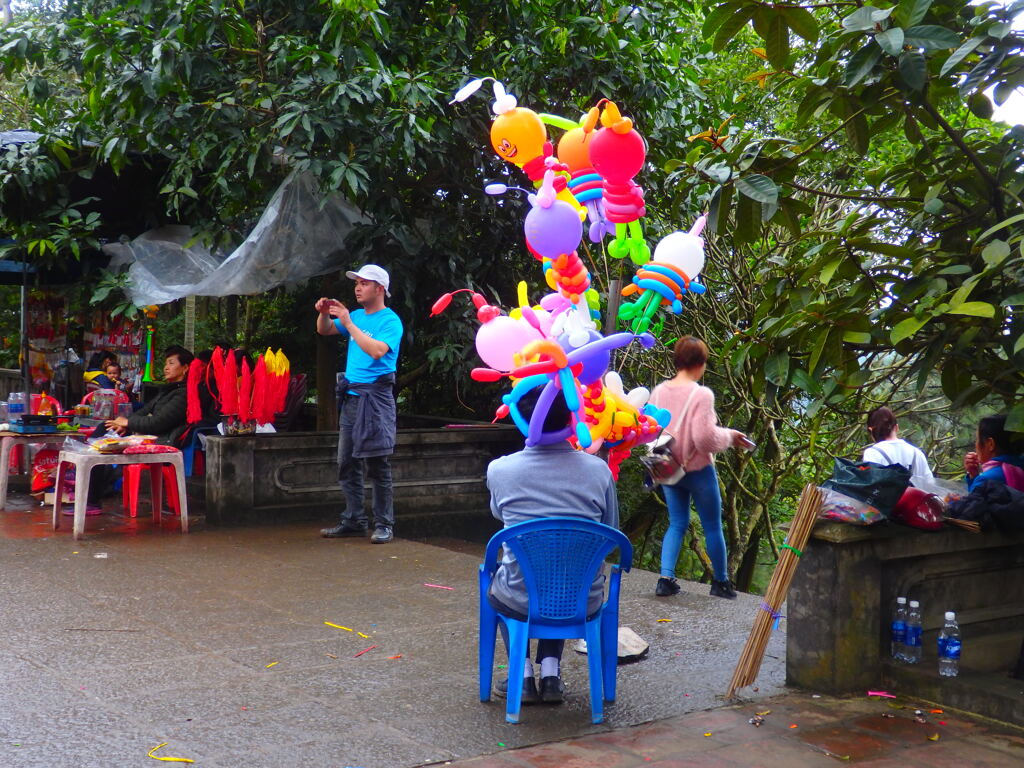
[{"x": 300, "y": 235}]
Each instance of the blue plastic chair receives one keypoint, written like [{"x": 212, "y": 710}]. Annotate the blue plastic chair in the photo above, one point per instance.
[
  {"x": 194, "y": 444},
  {"x": 559, "y": 558}
]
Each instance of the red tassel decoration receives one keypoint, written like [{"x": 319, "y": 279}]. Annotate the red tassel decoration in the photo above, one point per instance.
[
  {"x": 260, "y": 393},
  {"x": 229, "y": 387},
  {"x": 193, "y": 408},
  {"x": 245, "y": 393}
]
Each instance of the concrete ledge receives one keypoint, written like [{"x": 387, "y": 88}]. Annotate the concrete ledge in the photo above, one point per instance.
[
  {"x": 991, "y": 695},
  {"x": 439, "y": 478},
  {"x": 848, "y": 578}
]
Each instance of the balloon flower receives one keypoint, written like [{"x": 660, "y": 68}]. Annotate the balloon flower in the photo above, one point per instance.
[
  {"x": 678, "y": 259},
  {"x": 617, "y": 153}
]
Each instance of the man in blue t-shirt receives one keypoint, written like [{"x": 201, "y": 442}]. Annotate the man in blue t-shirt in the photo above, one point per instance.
[{"x": 366, "y": 402}]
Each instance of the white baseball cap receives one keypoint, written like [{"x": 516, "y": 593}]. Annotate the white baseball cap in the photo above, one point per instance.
[{"x": 374, "y": 273}]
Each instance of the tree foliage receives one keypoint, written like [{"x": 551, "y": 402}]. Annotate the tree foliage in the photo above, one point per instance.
[{"x": 866, "y": 227}]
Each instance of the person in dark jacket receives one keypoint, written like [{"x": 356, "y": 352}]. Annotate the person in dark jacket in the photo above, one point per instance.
[
  {"x": 366, "y": 403},
  {"x": 164, "y": 415}
]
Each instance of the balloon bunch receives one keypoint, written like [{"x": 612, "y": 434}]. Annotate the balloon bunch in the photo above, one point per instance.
[
  {"x": 555, "y": 345},
  {"x": 594, "y": 172},
  {"x": 247, "y": 393}
]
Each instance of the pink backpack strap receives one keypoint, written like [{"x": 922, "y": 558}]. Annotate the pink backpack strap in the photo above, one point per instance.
[{"x": 1014, "y": 476}]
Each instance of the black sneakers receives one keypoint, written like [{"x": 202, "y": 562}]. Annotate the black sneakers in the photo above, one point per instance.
[
  {"x": 551, "y": 689},
  {"x": 666, "y": 587},
  {"x": 343, "y": 530},
  {"x": 381, "y": 535},
  {"x": 530, "y": 694},
  {"x": 724, "y": 589}
]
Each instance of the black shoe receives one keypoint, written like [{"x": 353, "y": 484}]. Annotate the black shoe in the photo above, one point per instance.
[
  {"x": 724, "y": 589},
  {"x": 342, "y": 530},
  {"x": 551, "y": 690},
  {"x": 530, "y": 695},
  {"x": 381, "y": 535},
  {"x": 666, "y": 587}
]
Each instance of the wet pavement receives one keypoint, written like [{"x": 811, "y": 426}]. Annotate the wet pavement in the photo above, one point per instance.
[
  {"x": 217, "y": 644},
  {"x": 796, "y": 729}
]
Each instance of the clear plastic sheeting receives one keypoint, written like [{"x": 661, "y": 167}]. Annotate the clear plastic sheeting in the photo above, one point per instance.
[{"x": 300, "y": 235}]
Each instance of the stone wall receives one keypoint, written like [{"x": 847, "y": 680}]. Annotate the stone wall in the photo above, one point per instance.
[
  {"x": 838, "y": 611},
  {"x": 439, "y": 484}
]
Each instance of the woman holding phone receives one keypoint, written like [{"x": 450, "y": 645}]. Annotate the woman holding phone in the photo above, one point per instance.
[{"x": 698, "y": 437}]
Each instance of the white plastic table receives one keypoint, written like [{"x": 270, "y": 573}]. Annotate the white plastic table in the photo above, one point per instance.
[
  {"x": 83, "y": 464},
  {"x": 10, "y": 439}
]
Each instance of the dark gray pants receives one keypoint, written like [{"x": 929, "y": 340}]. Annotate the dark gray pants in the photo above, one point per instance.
[{"x": 351, "y": 475}]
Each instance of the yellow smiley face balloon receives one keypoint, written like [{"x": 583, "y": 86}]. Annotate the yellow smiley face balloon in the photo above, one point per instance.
[{"x": 518, "y": 136}]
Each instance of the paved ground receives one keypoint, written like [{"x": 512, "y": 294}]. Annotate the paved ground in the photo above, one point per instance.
[
  {"x": 215, "y": 643},
  {"x": 797, "y": 730}
]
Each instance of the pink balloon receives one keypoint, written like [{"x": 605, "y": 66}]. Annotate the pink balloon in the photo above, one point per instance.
[{"x": 500, "y": 338}]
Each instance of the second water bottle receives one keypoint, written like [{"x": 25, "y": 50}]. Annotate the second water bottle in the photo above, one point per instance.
[{"x": 912, "y": 644}]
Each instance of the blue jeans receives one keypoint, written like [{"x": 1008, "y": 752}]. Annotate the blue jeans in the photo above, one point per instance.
[
  {"x": 702, "y": 486},
  {"x": 350, "y": 474}
]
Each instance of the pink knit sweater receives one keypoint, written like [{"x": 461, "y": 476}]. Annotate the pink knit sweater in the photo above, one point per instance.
[{"x": 699, "y": 435}]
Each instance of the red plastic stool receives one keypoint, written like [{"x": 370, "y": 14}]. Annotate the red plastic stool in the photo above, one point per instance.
[{"x": 160, "y": 476}]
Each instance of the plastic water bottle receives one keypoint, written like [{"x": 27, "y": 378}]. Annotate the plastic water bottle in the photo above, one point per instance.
[
  {"x": 16, "y": 405},
  {"x": 898, "y": 630},
  {"x": 913, "y": 637},
  {"x": 949, "y": 647}
]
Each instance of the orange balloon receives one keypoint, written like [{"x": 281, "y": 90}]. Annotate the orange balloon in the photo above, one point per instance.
[
  {"x": 518, "y": 136},
  {"x": 574, "y": 149}
]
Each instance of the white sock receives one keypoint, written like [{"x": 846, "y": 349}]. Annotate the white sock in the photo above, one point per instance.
[
  {"x": 549, "y": 666},
  {"x": 528, "y": 669}
]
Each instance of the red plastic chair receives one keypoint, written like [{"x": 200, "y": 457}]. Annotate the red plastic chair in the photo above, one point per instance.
[{"x": 160, "y": 476}]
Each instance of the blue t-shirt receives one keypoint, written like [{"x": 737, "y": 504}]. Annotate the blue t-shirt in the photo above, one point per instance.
[{"x": 382, "y": 325}]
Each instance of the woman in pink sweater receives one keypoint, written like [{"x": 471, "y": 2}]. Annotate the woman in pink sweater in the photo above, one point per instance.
[{"x": 697, "y": 436}]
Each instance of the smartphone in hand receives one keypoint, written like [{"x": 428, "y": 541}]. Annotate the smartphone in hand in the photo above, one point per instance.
[{"x": 747, "y": 444}]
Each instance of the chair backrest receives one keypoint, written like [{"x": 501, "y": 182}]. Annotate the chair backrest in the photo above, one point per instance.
[
  {"x": 559, "y": 558},
  {"x": 119, "y": 396}
]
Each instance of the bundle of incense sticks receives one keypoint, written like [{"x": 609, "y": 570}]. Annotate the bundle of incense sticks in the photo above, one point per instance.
[
  {"x": 968, "y": 525},
  {"x": 768, "y": 612}
]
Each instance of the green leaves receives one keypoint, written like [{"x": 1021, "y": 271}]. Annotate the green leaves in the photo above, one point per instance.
[
  {"x": 758, "y": 187},
  {"x": 911, "y": 12},
  {"x": 890, "y": 40},
  {"x": 973, "y": 309},
  {"x": 931, "y": 37},
  {"x": 907, "y": 328},
  {"x": 913, "y": 70},
  {"x": 731, "y": 25},
  {"x": 777, "y": 42},
  {"x": 861, "y": 64}
]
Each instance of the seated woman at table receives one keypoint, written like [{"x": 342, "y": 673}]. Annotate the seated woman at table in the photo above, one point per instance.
[{"x": 163, "y": 416}]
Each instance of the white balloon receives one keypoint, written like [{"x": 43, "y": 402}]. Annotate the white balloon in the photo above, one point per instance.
[
  {"x": 683, "y": 251},
  {"x": 613, "y": 381},
  {"x": 638, "y": 397},
  {"x": 467, "y": 90}
]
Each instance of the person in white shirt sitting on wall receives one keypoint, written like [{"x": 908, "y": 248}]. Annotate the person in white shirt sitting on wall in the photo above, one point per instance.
[{"x": 890, "y": 448}]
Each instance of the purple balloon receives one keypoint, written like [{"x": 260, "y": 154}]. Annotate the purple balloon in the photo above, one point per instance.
[
  {"x": 553, "y": 231},
  {"x": 594, "y": 363}
]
